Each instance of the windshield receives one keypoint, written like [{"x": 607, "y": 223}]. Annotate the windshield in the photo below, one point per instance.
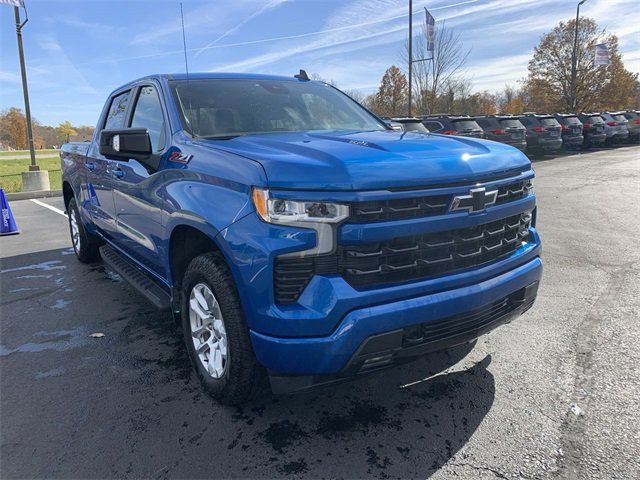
[{"x": 223, "y": 108}]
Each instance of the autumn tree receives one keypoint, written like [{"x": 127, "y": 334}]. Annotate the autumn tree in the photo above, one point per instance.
[
  {"x": 65, "y": 130},
  {"x": 548, "y": 84},
  {"x": 510, "y": 101},
  {"x": 391, "y": 98},
  {"x": 13, "y": 128}
]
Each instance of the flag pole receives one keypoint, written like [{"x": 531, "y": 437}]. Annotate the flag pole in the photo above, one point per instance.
[{"x": 33, "y": 166}]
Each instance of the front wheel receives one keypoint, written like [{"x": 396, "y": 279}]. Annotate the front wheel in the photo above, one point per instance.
[
  {"x": 85, "y": 245},
  {"x": 216, "y": 334}
]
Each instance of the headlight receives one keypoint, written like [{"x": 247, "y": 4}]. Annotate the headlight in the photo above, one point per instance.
[
  {"x": 319, "y": 216},
  {"x": 528, "y": 187},
  {"x": 293, "y": 212}
]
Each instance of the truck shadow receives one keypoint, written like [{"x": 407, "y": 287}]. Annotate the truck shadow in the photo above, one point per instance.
[{"x": 135, "y": 387}]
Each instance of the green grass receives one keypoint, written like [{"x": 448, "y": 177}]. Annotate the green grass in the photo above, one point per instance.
[
  {"x": 26, "y": 152},
  {"x": 11, "y": 170}
]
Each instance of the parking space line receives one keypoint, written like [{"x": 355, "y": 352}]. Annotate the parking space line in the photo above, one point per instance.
[{"x": 50, "y": 207}]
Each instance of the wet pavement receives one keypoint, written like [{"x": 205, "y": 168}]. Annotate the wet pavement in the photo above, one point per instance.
[{"x": 552, "y": 395}]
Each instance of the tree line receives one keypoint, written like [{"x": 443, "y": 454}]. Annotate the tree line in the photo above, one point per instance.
[
  {"x": 13, "y": 132},
  {"x": 444, "y": 86}
]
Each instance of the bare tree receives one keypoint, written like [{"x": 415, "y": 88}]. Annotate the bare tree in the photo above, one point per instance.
[
  {"x": 432, "y": 79},
  {"x": 357, "y": 95},
  {"x": 320, "y": 78}
]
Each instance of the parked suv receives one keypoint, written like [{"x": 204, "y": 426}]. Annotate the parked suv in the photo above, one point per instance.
[
  {"x": 410, "y": 124},
  {"x": 633, "y": 116},
  {"x": 503, "y": 129},
  {"x": 593, "y": 129},
  {"x": 543, "y": 132},
  {"x": 292, "y": 234},
  {"x": 464, "y": 125},
  {"x": 571, "y": 130},
  {"x": 616, "y": 127}
]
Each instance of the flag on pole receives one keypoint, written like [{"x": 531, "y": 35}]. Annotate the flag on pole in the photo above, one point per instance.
[
  {"x": 13, "y": 3},
  {"x": 431, "y": 32},
  {"x": 601, "y": 54}
]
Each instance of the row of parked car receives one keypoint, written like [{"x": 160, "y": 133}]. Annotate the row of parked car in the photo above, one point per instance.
[{"x": 540, "y": 133}]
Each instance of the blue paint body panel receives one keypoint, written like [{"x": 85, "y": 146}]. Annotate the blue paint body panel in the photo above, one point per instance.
[{"x": 138, "y": 211}]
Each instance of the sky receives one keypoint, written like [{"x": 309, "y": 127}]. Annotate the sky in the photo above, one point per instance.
[{"x": 80, "y": 50}]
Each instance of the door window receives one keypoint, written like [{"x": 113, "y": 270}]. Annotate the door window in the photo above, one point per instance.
[
  {"x": 148, "y": 114},
  {"x": 117, "y": 110}
]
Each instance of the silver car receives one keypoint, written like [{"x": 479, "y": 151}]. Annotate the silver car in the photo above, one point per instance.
[{"x": 616, "y": 127}]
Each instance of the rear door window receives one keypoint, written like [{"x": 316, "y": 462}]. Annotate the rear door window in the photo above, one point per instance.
[
  {"x": 466, "y": 125},
  {"x": 117, "y": 111},
  {"x": 433, "y": 126},
  {"x": 570, "y": 121},
  {"x": 487, "y": 123},
  {"x": 510, "y": 123},
  {"x": 549, "y": 122}
]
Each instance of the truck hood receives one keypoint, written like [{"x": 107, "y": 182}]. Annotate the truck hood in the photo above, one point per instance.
[{"x": 373, "y": 160}]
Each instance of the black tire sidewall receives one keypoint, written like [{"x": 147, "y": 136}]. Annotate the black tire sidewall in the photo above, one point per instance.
[
  {"x": 234, "y": 386},
  {"x": 88, "y": 250}
]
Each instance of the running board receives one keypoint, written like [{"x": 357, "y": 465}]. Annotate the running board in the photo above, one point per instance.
[{"x": 140, "y": 280}]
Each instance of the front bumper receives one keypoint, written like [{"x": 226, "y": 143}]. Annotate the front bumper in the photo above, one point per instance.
[
  {"x": 336, "y": 353},
  {"x": 398, "y": 346},
  {"x": 572, "y": 140}
]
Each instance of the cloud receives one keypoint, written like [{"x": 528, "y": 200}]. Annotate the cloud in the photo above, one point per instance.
[
  {"x": 9, "y": 77},
  {"x": 268, "y": 6}
]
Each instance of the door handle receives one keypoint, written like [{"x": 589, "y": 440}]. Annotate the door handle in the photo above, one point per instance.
[
  {"x": 118, "y": 172},
  {"x": 90, "y": 166}
]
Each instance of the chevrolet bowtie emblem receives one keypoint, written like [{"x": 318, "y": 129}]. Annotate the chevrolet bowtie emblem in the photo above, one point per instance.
[{"x": 477, "y": 200}]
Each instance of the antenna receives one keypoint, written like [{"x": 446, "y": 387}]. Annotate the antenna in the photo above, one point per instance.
[
  {"x": 186, "y": 67},
  {"x": 184, "y": 43}
]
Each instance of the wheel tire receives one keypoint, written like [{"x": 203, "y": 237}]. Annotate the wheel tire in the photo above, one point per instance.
[
  {"x": 242, "y": 377},
  {"x": 84, "y": 244}
]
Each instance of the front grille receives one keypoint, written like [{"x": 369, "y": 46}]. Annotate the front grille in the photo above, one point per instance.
[
  {"x": 513, "y": 191},
  {"x": 405, "y": 259},
  {"x": 397, "y": 209},
  {"x": 428, "y": 255}
]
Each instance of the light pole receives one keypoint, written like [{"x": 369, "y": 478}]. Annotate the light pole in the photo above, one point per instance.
[
  {"x": 574, "y": 60},
  {"x": 410, "y": 52},
  {"x": 25, "y": 91}
]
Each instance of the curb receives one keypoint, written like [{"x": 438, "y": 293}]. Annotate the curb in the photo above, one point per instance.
[{"x": 30, "y": 195}]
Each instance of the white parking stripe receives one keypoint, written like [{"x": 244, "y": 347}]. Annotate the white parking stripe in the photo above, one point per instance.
[{"x": 46, "y": 205}]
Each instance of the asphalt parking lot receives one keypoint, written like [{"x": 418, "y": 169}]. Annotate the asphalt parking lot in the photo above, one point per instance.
[{"x": 555, "y": 394}]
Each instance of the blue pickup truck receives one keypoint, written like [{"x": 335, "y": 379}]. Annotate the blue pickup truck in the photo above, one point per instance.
[{"x": 293, "y": 235}]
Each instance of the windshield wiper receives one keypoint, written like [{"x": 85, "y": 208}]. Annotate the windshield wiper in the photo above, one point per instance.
[{"x": 222, "y": 137}]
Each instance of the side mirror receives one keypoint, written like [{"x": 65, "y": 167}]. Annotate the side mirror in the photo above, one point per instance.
[{"x": 125, "y": 143}]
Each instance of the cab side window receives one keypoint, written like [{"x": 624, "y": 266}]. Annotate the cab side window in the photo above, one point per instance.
[
  {"x": 117, "y": 111},
  {"x": 148, "y": 114}
]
